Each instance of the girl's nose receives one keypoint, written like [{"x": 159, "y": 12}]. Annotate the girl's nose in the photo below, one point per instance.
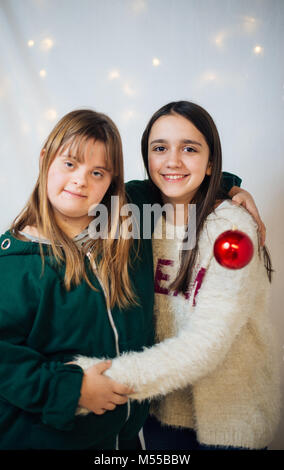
[
  {"x": 173, "y": 160},
  {"x": 79, "y": 177}
]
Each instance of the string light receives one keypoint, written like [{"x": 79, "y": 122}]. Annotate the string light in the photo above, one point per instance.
[
  {"x": 250, "y": 24},
  {"x": 41, "y": 131},
  {"x": 156, "y": 62},
  {"x": 128, "y": 115},
  {"x": 42, "y": 73},
  {"x": 258, "y": 49},
  {"x": 31, "y": 43},
  {"x": 219, "y": 39},
  {"x": 113, "y": 74},
  {"x": 128, "y": 90},
  {"x": 25, "y": 128},
  {"x": 138, "y": 6},
  {"x": 47, "y": 44},
  {"x": 51, "y": 114},
  {"x": 209, "y": 76}
]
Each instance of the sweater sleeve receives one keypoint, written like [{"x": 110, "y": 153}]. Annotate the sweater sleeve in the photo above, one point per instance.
[
  {"x": 223, "y": 305},
  {"x": 29, "y": 380}
]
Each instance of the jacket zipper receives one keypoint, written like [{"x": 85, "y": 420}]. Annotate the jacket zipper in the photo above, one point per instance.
[{"x": 116, "y": 338}]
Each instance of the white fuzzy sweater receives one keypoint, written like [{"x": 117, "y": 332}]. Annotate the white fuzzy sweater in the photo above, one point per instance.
[{"x": 214, "y": 366}]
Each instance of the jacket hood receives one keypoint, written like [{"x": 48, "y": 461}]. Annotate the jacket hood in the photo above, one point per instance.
[{"x": 9, "y": 245}]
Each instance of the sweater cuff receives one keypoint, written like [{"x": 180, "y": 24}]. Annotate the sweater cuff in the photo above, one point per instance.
[
  {"x": 229, "y": 180},
  {"x": 63, "y": 398}
]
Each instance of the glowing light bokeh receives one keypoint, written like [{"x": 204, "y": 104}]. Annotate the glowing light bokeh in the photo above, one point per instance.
[
  {"x": 250, "y": 24},
  {"x": 113, "y": 74},
  {"x": 128, "y": 90},
  {"x": 50, "y": 114},
  {"x": 138, "y": 6},
  {"x": 258, "y": 50},
  {"x": 47, "y": 44},
  {"x": 156, "y": 62}
]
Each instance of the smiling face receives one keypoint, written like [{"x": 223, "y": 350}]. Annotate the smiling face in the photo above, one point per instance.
[
  {"x": 178, "y": 158},
  {"x": 76, "y": 182}
]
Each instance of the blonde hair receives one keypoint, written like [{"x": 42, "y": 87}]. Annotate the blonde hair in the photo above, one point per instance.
[{"x": 111, "y": 254}]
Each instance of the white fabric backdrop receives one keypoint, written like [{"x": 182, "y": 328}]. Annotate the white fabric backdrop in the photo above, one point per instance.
[{"x": 129, "y": 57}]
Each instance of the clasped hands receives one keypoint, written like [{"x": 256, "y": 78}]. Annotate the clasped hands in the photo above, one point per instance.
[{"x": 100, "y": 393}]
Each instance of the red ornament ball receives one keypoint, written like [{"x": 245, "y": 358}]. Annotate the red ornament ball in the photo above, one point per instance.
[{"x": 233, "y": 249}]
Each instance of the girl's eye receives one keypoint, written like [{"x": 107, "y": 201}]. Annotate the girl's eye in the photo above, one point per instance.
[
  {"x": 160, "y": 148},
  {"x": 97, "y": 174},
  {"x": 189, "y": 149},
  {"x": 68, "y": 164}
]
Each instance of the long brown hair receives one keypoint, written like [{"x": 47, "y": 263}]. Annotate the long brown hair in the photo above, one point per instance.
[
  {"x": 209, "y": 191},
  {"x": 111, "y": 254}
]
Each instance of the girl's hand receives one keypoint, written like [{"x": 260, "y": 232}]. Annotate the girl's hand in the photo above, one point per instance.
[
  {"x": 241, "y": 197},
  {"x": 100, "y": 393}
]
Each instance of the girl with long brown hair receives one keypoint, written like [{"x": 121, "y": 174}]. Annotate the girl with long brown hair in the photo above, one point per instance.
[
  {"x": 64, "y": 293},
  {"x": 213, "y": 375}
]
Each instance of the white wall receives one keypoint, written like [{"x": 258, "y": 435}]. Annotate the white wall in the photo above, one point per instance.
[{"x": 226, "y": 55}]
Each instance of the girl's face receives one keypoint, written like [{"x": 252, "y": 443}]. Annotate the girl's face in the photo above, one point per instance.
[
  {"x": 178, "y": 158},
  {"x": 76, "y": 184}
]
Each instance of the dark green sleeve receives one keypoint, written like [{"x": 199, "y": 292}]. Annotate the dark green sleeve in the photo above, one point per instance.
[
  {"x": 29, "y": 381},
  {"x": 144, "y": 192},
  {"x": 141, "y": 192},
  {"x": 229, "y": 180}
]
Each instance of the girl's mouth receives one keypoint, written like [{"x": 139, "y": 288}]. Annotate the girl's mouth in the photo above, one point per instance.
[
  {"x": 74, "y": 194},
  {"x": 174, "y": 177}
]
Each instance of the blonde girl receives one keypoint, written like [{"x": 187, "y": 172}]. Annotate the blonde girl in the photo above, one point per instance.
[{"x": 64, "y": 293}]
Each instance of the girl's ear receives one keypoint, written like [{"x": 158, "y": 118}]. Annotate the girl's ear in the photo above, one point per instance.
[{"x": 209, "y": 168}]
